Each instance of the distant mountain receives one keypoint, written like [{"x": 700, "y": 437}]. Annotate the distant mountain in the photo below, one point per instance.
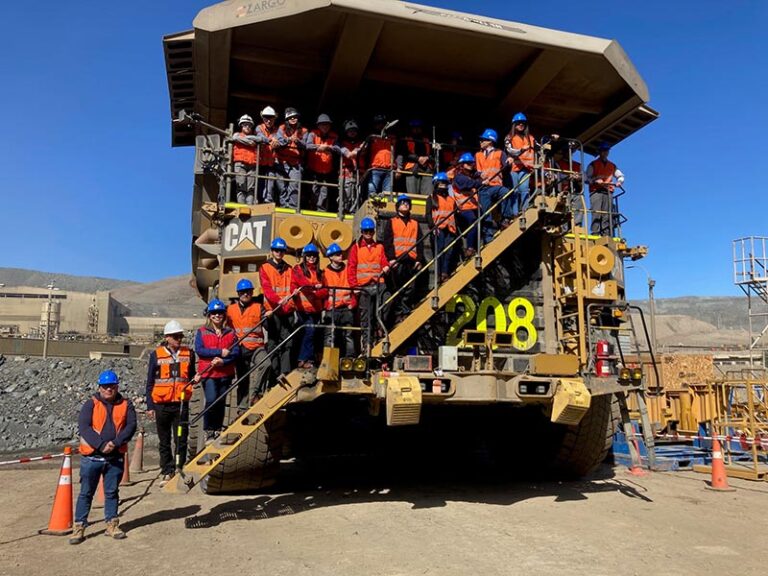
[
  {"x": 722, "y": 312},
  {"x": 170, "y": 297}
]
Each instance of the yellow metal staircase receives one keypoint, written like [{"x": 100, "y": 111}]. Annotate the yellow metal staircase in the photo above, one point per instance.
[
  {"x": 463, "y": 275},
  {"x": 229, "y": 440}
]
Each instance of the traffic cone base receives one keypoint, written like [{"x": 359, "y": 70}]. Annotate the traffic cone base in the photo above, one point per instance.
[
  {"x": 126, "y": 479},
  {"x": 719, "y": 480},
  {"x": 62, "y": 513},
  {"x": 137, "y": 461}
]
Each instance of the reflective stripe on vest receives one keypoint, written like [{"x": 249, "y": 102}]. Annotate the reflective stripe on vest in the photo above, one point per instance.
[
  {"x": 526, "y": 159},
  {"x": 281, "y": 281},
  {"x": 321, "y": 162},
  {"x": 603, "y": 171},
  {"x": 369, "y": 258},
  {"x": 443, "y": 212},
  {"x": 405, "y": 235},
  {"x": 337, "y": 279},
  {"x": 465, "y": 200},
  {"x": 171, "y": 376},
  {"x": 291, "y": 153},
  {"x": 100, "y": 414},
  {"x": 489, "y": 166},
  {"x": 307, "y": 303},
  {"x": 243, "y": 153},
  {"x": 244, "y": 322}
]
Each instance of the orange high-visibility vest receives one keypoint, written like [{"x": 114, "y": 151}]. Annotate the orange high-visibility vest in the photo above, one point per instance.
[
  {"x": 291, "y": 153},
  {"x": 443, "y": 212},
  {"x": 489, "y": 166},
  {"x": 243, "y": 153},
  {"x": 266, "y": 154},
  {"x": 369, "y": 257},
  {"x": 410, "y": 144},
  {"x": 119, "y": 419},
  {"x": 244, "y": 320},
  {"x": 603, "y": 171},
  {"x": 381, "y": 152},
  {"x": 171, "y": 383},
  {"x": 337, "y": 279},
  {"x": 321, "y": 162},
  {"x": 526, "y": 158},
  {"x": 352, "y": 165},
  {"x": 404, "y": 236},
  {"x": 280, "y": 281},
  {"x": 465, "y": 199}
]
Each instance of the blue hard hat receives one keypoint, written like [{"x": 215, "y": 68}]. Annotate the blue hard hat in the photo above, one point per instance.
[
  {"x": 440, "y": 177},
  {"x": 244, "y": 285},
  {"x": 107, "y": 378},
  {"x": 310, "y": 249},
  {"x": 333, "y": 249},
  {"x": 367, "y": 224},
  {"x": 604, "y": 146},
  {"x": 489, "y": 134},
  {"x": 467, "y": 157},
  {"x": 216, "y": 305},
  {"x": 278, "y": 244},
  {"x": 519, "y": 117},
  {"x": 403, "y": 198}
]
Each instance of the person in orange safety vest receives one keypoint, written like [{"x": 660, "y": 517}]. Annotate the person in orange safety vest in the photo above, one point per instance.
[
  {"x": 307, "y": 282},
  {"x": 402, "y": 243},
  {"x": 520, "y": 146},
  {"x": 340, "y": 301},
  {"x": 291, "y": 148},
  {"x": 415, "y": 156},
  {"x": 170, "y": 377},
  {"x": 276, "y": 276},
  {"x": 246, "y": 316},
  {"x": 365, "y": 270},
  {"x": 441, "y": 217},
  {"x": 603, "y": 177},
  {"x": 379, "y": 158},
  {"x": 244, "y": 156},
  {"x": 322, "y": 165},
  {"x": 106, "y": 424}
]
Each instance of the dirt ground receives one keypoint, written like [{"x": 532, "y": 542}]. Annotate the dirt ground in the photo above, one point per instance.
[{"x": 356, "y": 522}]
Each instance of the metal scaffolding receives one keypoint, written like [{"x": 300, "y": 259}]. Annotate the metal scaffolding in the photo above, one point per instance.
[{"x": 750, "y": 273}]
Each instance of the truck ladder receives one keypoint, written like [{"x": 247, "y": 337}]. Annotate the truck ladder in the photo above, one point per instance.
[
  {"x": 237, "y": 432},
  {"x": 463, "y": 275}
]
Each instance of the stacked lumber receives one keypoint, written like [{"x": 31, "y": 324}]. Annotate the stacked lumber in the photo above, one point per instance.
[{"x": 679, "y": 370}]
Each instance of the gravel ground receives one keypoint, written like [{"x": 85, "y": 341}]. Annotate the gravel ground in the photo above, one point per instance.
[{"x": 41, "y": 399}]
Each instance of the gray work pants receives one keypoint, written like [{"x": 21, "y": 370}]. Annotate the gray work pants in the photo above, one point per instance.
[
  {"x": 342, "y": 318},
  {"x": 350, "y": 199},
  {"x": 245, "y": 182},
  {"x": 416, "y": 184},
  {"x": 266, "y": 186},
  {"x": 289, "y": 185},
  {"x": 323, "y": 195},
  {"x": 600, "y": 204}
]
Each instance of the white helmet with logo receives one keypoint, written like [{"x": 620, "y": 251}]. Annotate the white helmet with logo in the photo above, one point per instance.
[
  {"x": 173, "y": 327},
  {"x": 245, "y": 119},
  {"x": 268, "y": 111}
]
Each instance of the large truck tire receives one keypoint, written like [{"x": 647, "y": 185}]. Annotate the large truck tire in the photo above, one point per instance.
[
  {"x": 583, "y": 447},
  {"x": 254, "y": 465}
]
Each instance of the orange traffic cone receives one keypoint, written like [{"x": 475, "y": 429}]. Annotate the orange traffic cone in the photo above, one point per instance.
[
  {"x": 137, "y": 462},
  {"x": 636, "y": 468},
  {"x": 126, "y": 479},
  {"x": 62, "y": 513},
  {"x": 719, "y": 480}
]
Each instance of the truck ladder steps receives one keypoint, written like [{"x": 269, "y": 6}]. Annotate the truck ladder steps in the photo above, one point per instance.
[
  {"x": 463, "y": 275},
  {"x": 237, "y": 432}
]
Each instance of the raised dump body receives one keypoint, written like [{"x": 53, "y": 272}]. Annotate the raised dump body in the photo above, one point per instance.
[{"x": 527, "y": 318}]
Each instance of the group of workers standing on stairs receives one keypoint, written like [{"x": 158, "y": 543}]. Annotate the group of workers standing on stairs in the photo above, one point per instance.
[{"x": 274, "y": 163}]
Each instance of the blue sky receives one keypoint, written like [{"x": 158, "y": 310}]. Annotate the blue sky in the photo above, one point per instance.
[{"x": 91, "y": 185}]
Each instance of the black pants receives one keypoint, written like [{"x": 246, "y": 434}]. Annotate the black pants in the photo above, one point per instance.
[
  {"x": 255, "y": 384},
  {"x": 342, "y": 317},
  {"x": 400, "y": 275},
  {"x": 167, "y": 418},
  {"x": 368, "y": 303},
  {"x": 279, "y": 327}
]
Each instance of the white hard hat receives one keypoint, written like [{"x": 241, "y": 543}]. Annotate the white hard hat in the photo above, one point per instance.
[
  {"x": 245, "y": 119},
  {"x": 173, "y": 327},
  {"x": 268, "y": 111}
]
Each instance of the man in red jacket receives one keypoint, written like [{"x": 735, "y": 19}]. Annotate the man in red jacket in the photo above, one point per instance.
[{"x": 276, "y": 276}]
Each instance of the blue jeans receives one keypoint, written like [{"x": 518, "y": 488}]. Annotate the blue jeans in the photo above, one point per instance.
[
  {"x": 379, "y": 181},
  {"x": 307, "y": 349},
  {"x": 489, "y": 195},
  {"x": 91, "y": 470},
  {"x": 447, "y": 262},
  {"x": 521, "y": 194},
  {"x": 466, "y": 219},
  {"x": 213, "y": 419}
]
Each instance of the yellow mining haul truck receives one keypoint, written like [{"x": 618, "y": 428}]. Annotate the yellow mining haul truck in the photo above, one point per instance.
[{"x": 525, "y": 330}]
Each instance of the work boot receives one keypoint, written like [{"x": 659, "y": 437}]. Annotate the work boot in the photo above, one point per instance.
[
  {"x": 113, "y": 529},
  {"x": 164, "y": 480},
  {"x": 78, "y": 534}
]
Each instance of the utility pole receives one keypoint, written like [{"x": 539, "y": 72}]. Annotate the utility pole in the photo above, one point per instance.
[
  {"x": 651, "y": 304},
  {"x": 51, "y": 287}
]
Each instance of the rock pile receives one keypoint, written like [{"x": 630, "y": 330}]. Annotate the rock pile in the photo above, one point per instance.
[{"x": 40, "y": 399}]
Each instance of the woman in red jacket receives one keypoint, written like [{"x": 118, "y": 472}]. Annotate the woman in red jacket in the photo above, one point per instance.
[
  {"x": 216, "y": 349},
  {"x": 309, "y": 301}
]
